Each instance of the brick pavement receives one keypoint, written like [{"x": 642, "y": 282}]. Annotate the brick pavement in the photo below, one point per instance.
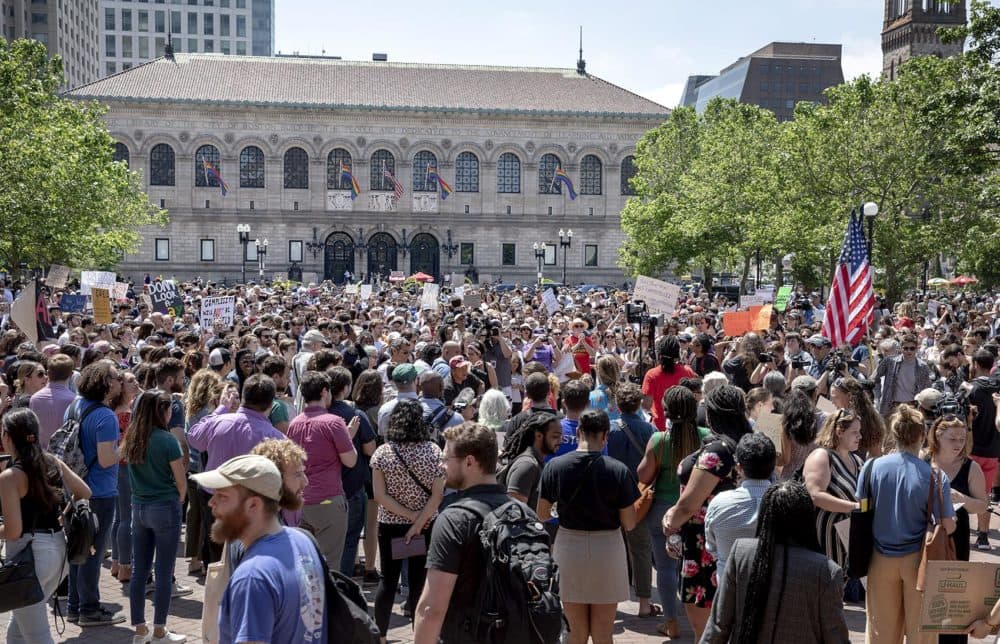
[{"x": 185, "y": 614}]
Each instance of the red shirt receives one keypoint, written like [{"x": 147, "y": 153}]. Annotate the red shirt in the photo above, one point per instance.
[
  {"x": 656, "y": 383},
  {"x": 580, "y": 356}
]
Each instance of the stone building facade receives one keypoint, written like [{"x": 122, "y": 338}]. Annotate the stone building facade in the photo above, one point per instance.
[
  {"x": 281, "y": 131},
  {"x": 910, "y": 28}
]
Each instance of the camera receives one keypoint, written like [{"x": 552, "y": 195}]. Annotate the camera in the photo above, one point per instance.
[
  {"x": 637, "y": 313},
  {"x": 838, "y": 361},
  {"x": 802, "y": 303},
  {"x": 766, "y": 358},
  {"x": 799, "y": 364}
]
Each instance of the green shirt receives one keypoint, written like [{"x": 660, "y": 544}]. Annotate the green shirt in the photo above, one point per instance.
[
  {"x": 153, "y": 480},
  {"x": 668, "y": 486},
  {"x": 279, "y": 412}
]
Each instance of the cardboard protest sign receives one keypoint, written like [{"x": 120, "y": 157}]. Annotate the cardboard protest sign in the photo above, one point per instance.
[
  {"x": 100, "y": 279},
  {"x": 162, "y": 294},
  {"x": 120, "y": 291},
  {"x": 222, "y": 309},
  {"x": 57, "y": 277},
  {"x": 366, "y": 291},
  {"x": 767, "y": 294},
  {"x": 762, "y": 317},
  {"x": 782, "y": 298},
  {"x": 397, "y": 276},
  {"x": 748, "y": 301},
  {"x": 551, "y": 302},
  {"x": 769, "y": 425},
  {"x": 460, "y": 291},
  {"x": 22, "y": 312},
  {"x": 659, "y": 296},
  {"x": 957, "y": 593},
  {"x": 73, "y": 303},
  {"x": 736, "y": 323},
  {"x": 826, "y": 405},
  {"x": 351, "y": 289},
  {"x": 145, "y": 299},
  {"x": 472, "y": 300},
  {"x": 102, "y": 305},
  {"x": 429, "y": 299}
]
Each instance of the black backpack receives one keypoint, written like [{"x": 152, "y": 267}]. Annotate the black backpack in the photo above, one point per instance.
[
  {"x": 518, "y": 600},
  {"x": 347, "y": 617},
  {"x": 66, "y": 444},
  {"x": 81, "y": 526}
]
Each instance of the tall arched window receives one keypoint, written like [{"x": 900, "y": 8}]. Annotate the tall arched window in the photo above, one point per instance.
[
  {"x": 120, "y": 153},
  {"x": 628, "y": 171},
  {"x": 381, "y": 161},
  {"x": 508, "y": 173},
  {"x": 591, "y": 175},
  {"x": 421, "y": 161},
  {"x": 161, "y": 165},
  {"x": 338, "y": 158},
  {"x": 252, "y": 167},
  {"x": 296, "y": 168},
  {"x": 210, "y": 154},
  {"x": 467, "y": 172},
  {"x": 546, "y": 172}
]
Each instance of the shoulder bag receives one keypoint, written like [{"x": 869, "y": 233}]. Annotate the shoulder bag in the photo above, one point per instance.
[
  {"x": 216, "y": 580},
  {"x": 938, "y": 545},
  {"x": 862, "y": 541},
  {"x": 646, "y": 490},
  {"x": 19, "y": 585}
]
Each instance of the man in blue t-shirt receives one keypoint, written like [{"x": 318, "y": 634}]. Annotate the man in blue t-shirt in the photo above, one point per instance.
[
  {"x": 99, "y": 384},
  {"x": 576, "y": 397},
  {"x": 277, "y": 594}
]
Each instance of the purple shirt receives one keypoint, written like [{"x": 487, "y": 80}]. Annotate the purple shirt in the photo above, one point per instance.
[
  {"x": 324, "y": 437},
  {"x": 50, "y": 404},
  {"x": 224, "y": 435}
]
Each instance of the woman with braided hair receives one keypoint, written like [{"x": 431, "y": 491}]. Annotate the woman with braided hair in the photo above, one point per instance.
[
  {"x": 783, "y": 561},
  {"x": 703, "y": 474}
]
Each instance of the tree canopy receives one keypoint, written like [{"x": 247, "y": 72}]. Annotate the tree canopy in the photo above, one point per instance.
[{"x": 62, "y": 197}]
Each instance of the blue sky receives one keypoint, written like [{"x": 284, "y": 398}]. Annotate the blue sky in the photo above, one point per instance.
[{"x": 649, "y": 47}]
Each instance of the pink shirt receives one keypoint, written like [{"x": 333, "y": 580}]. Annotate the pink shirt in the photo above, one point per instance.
[{"x": 324, "y": 437}]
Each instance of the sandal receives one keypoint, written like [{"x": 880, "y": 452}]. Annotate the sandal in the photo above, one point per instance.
[
  {"x": 654, "y": 611},
  {"x": 125, "y": 574},
  {"x": 670, "y": 628}
]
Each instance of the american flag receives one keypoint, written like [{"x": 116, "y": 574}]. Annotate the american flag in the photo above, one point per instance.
[
  {"x": 397, "y": 187},
  {"x": 850, "y": 309}
]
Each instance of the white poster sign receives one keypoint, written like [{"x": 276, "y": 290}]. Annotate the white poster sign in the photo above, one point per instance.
[
  {"x": 551, "y": 301},
  {"x": 222, "y": 309},
  {"x": 57, "y": 276},
  {"x": 429, "y": 300},
  {"x": 351, "y": 289},
  {"x": 120, "y": 291},
  {"x": 659, "y": 296},
  {"x": 366, "y": 291},
  {"x": 746, "y": 301},
  {"x": 100, "y": 279}
]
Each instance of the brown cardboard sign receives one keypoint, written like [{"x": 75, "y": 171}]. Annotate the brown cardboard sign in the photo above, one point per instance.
[{"x": 957, "y": 594}]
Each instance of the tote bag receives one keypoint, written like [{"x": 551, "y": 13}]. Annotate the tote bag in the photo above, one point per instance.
[{"x": 216, "y": 580}]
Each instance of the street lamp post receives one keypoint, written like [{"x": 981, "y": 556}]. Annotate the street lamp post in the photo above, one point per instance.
[
  {"x": 261, "y": 254},
  {"x": 450, "y": 248},
  {"x": 539, "y": 249},
  {"x": 870, "y": 211},
  {"x": 786, "y": 265},
  {"x": 315, "y": 246},
  {"x": 243, "y": 230},
  {"x": 565, "y": 241}
]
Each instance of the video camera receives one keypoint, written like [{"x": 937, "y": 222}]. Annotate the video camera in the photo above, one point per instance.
[
  {"x": 838, "y": 361},
  {"x": 637, "y": 313}
]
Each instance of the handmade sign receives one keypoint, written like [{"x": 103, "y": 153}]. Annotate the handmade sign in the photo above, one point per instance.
[{"x": 660, "y": 297}]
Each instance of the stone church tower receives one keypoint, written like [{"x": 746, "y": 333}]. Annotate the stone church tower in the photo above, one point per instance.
[{"x": 909, "y": 29}]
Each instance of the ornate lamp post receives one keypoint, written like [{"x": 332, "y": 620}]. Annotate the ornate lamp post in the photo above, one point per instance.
[
  {"x": 450, "y": 248},
  {"x": 539, "y": 248},
  {"x": 243, "y": 230},
  {"x": 565, "y": 241},
  {"x": 314, "y": 246},
  {"x": 870, "y": 211},
  {"x": 261, "y": 255}
]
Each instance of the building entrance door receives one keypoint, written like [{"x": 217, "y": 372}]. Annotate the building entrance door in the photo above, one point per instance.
[
  {"x": 425, "y": 256},
  {"x": 338, "y": 257},
  {"x": 381, "y": 256}
]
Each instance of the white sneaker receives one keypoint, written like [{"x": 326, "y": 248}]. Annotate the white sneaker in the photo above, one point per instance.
[
  {"x": 142, "y": 639},
  {"x": 169, "y": 638},
  {"x": 180, "y": 591}
]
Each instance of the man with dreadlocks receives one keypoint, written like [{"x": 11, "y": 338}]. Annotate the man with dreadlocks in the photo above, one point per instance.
[
  {"x": 784, "y": 561},
  {"x": 521, "y": 463}
]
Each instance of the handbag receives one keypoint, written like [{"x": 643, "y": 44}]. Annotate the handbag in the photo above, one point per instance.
[
  {"x": 862, "y": 541},
  {"x": 216, "y": 580},
  {"x": 19, "y": 585},
  {"x": 938, "y": 546},
  {"x": 646, "y": 490}
]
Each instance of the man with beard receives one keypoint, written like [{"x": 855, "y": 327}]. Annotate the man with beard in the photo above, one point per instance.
[
  {"x": 277, "y": 593},
  {"x": 537, "y": 438},
  {"x": 455, "y": 560}
]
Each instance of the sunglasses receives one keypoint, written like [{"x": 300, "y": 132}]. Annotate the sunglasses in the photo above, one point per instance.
[{"x": 909, "y": 348}]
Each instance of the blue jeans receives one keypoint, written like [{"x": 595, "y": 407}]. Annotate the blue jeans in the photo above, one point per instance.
[
  {"x": 668, "y": 569},
  {"x": 121, "y": 531},
  {"x": 85, "y": 578},
  {"x": 357, "y": 506},
  {"x": 156, "y": 527},
  {"x": 31, "y": 623}
]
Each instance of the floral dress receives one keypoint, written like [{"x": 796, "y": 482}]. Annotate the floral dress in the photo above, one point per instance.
[{"x": 699, "y": 582}]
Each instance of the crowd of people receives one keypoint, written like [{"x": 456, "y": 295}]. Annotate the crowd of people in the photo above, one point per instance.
[{"x": 644, "y": 448}]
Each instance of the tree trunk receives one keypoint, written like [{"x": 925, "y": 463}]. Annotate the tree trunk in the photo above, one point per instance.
[
  {"x": 746, "y": 273},
  {"x": 706, "y": 272}
]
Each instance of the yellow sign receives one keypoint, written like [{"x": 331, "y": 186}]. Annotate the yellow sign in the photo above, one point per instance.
[{"x": 102, "y": 305}]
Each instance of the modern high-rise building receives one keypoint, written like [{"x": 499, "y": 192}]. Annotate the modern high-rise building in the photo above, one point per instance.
[
  {"x": 910, "y": 28},
  {"x": 775, "y": 77},
  {"x": 67, "y": 29},
  {"x": 133, "y": 33}
]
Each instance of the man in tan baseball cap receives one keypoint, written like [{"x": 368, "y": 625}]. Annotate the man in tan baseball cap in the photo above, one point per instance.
[{"x": 247, "y": 486}]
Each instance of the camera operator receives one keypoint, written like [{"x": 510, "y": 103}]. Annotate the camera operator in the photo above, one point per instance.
[
  {"x": 819, "y": 348},
  {"x": 497, "y": 350},
  {"x": 772, "y": 360},
  {"x": 985, "y": 434},
  {"x": 799, "y": 361}
]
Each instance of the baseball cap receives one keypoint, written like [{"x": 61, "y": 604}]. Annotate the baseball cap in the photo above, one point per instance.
[
  {"x": 464, "y": 398},
  {"x": 928, "y": 398},
  {"x": 313, "y": 336},
  {"x": 684, "y": 336},
  {"x": 218, "y": 357},
  {"x": 404, "y": 373},
  {"x": 458, "y": 362},
  {"x": 804, "y": 383},
  {"x": 818, "y": 341},
  {"x": 256, "y": 473}
]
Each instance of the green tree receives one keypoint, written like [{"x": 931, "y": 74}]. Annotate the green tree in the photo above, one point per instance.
[{"x": 62, "y": 198}]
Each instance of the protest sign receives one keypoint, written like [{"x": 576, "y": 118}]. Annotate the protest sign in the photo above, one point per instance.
[
  {"x": 73, "y": 303},
  {"x": 120, "y": 292},
  {"x": 769, "y": 424},
  {"x": 351, "y": 289},
  {"x": 460, "y": 291},
  {"x": 472, "y": 300},
  {"x": 761, "y": 317},
  {"x": 429, "y": 299},
  {"x": 736, "y": 323},
  {"x": 659, "y": 296},
  {"x": 397, "y": 276},
  {"x": 102, "y": 305},
  {"x": 957, "y": 593},
  {"x": 747, "y": 301},
  {"x": 57, "y": 276},
  {"x": 22, "y": 312},
  {"x": 767, "y": 294},
  {"x": 781, "y": 299},
  {"x": 100, "y": 279},
  {"x": 222, "y": 309},
  {"x": 366, "y": 291},
  {"x": 826, "y": 405},
  {"x": 551, "y": 301},
  {"x": 164, "y": 296}
]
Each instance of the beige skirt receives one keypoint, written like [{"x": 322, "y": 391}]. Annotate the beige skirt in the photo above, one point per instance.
[{"x": 592, "y": 566}]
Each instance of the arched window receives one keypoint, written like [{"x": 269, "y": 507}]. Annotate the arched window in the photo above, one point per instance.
[
  {"x": 296, "y": 168},
  {"x": 467, "y": 172},
  {"x": 546, "y": 172},
  {"x": 508, "y": 173},
  {"x": 161, "y": 165},
  {"x": 338, "y": 158},
  {"x": 628, "y": 171},
  {"x": 591, "y": 175},
  {"x": 209, "y": 154},
  {"x": 252, "y": 167},
  {"x": 381, "y": 161},
  {"x": 421, "y": 161},
  {"x": 120, "y": 153}
]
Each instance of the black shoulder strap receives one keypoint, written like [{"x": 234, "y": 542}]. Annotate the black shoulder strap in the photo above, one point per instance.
[
  {"x": 406, "y": 467},
  {"x": 631, "y": 437}
]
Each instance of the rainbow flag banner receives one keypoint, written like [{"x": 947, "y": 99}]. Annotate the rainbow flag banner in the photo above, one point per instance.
[
  {"x": 562, "y": 177},
  {"x": 433, "y": 175},
  {"x": 211, "y": 172},
  {"x": 345, "y": 173}
]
